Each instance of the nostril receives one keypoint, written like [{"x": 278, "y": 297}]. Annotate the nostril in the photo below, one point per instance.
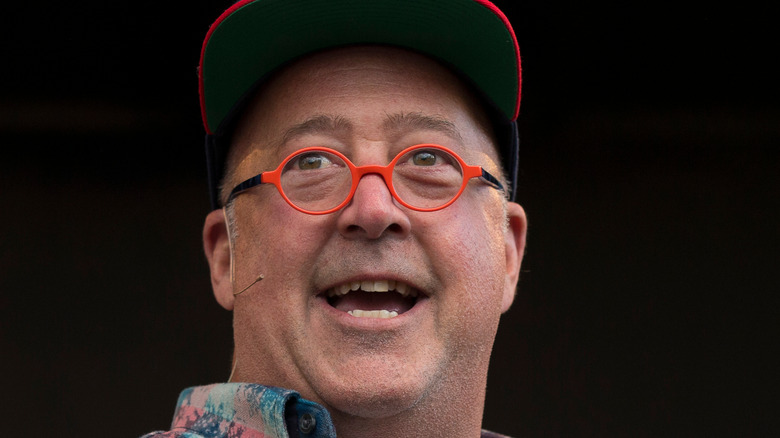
[{"x": 395, "y": 228}]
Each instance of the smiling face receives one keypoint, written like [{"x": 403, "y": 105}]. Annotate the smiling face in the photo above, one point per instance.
[{"x": 376, "y": 310}]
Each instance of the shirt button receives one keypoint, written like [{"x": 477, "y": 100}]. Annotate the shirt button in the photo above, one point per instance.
[{"x": 307, "y": 422}]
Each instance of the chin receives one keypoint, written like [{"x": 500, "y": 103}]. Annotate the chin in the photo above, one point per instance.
[
  {"x": 379, "y": 392},
  {"x": 376, "y": 401}
]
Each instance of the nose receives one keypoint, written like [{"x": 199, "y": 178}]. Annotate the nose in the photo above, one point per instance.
[{"x": 373, "y": 213}]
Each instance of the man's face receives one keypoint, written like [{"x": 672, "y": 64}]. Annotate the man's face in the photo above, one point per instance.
[{"x": 457, "y": 266}]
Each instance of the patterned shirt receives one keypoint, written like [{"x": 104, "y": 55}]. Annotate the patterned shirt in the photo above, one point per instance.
[{"x": 246, "y": 410}]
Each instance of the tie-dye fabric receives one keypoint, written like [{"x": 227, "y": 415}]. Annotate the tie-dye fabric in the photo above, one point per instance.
[
  {"x": 245, "y": 410},
  {"x": 232, "y": 410}
]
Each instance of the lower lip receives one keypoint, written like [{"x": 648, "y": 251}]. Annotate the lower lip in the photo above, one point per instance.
[{"x": 345, "y": 319}]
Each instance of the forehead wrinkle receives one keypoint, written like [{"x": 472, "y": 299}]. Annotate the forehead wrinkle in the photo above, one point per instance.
[
  {"x": 401, "y": 122},
  {"x": 319, "y": 124}
]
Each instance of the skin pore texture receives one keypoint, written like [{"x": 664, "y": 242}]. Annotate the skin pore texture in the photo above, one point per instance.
[{"x": 423, "y": 372}]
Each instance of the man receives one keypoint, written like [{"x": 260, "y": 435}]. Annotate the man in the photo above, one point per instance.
[{"x": 365, "y": 298}]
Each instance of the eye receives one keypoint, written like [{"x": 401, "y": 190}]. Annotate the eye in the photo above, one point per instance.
[
  {"x": 313, "y": 161},
  {"x": 424, "y": 158}
]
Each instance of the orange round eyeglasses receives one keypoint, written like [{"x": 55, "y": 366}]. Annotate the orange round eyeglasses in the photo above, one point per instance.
[{"x": 319, "y": 180}]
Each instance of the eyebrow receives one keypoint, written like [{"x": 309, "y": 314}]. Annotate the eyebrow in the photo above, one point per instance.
[
  {"x": 338, "y": 125},
  {"x": 421, "y": 122},
  {"x": 321, "y": 124}
]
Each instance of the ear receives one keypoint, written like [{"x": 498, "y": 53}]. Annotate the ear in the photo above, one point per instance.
[
  {"x": 515, "y": 248},
  {"x": 216, "y": 243}
]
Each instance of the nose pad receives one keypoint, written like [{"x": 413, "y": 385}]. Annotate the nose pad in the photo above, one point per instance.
[{"x": 372, "y": 212}]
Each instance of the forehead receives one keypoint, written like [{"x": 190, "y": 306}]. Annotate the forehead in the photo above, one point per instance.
[{"x": 365, "y": 88}]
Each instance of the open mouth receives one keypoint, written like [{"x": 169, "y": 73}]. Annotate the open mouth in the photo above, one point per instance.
[{"x": 373, "y": 299}]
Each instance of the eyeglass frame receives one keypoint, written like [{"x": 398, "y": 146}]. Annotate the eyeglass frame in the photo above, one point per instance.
[{"x": 358, "y": 172}]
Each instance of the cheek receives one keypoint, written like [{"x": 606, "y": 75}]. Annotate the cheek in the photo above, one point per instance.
[
  {"x": 283, "y": 245},
  {"x": 469, "y": 247},
  {"x": 275, "y": 232},
  {"x": 280, "y": 243},
  {"x": 471, "y": 256}
]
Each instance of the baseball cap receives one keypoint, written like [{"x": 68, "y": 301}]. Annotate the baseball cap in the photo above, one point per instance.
[{"x": 254, "y": 38}]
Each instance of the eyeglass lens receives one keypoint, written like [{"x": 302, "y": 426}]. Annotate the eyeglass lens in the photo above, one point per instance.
[{"x": 423, "y": 178}]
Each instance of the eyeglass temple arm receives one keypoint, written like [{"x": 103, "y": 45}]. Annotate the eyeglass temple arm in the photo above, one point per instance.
[
  {"x": 246, "y": 184},
  {"x": 492, "y": 180}
]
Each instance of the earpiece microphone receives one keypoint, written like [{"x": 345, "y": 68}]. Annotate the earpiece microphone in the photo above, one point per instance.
[
  {"x": 232, "y": 262},
  {"x": 259, "y": 277}
]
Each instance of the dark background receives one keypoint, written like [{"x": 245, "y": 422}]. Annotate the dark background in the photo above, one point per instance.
[{"x": 649, "y": 174}]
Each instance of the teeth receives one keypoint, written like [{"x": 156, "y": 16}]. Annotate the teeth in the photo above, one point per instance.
[
  {"x": 373, "y": 313},
  {"x": 342, "y": 289},
  {"x": 373, "y": 286},
  {"x": 405, "y": 290}
]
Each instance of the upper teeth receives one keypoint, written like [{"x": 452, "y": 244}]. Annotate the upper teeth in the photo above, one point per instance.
[
  {"x": 373, "y": 313},
  {"x": 373, "y": 286}
]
